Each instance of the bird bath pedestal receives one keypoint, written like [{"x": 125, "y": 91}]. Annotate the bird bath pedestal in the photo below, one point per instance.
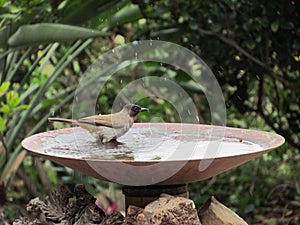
[
  {"x": 142, "y": 195},
  {"x": 154, "y": 158}
]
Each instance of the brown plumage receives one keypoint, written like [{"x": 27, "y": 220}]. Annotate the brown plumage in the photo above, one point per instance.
[{"x": 107, "y": 127}]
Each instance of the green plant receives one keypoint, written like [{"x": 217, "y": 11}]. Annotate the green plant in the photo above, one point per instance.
[
  {"x": 33, "y": 58},
  {"x": 39, "y": 68},
  {"x": 9, "y": 107}
]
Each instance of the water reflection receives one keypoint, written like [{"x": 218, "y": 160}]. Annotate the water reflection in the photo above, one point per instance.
[{"x": 144, "y": 144}]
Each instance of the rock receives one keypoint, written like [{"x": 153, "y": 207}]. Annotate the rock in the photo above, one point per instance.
[
  {"x": 215, "y": 213},
  {"x": 169, "y": 210},
  {"x": 132, "y": 214},
  {"x": 65, "y": 207}
]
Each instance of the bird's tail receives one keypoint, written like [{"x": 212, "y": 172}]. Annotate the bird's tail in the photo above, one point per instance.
[{"x": 62, "y": 120}]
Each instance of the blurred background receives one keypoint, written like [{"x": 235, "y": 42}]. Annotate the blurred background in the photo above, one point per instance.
[{"x": 253, "y": 49}]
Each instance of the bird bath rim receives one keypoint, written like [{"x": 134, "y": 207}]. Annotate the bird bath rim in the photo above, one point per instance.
[
  {"x": 234, "y": 133},
  {"x": 160, "y": 172}
]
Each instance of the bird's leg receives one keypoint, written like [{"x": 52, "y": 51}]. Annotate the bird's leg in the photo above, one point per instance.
[
  {"x": 109, "y": 142},
  {"x": 115, "y": 142},
  {"x": 100, "y": 140}
]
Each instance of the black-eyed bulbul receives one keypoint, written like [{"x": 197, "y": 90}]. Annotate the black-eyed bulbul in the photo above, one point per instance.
[{"x": 107, "y": 127}]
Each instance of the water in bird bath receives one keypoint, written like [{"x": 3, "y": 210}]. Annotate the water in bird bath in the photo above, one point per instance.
[{"x": 144, "y": 144}]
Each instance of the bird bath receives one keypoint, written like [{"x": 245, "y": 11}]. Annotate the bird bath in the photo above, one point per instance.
[{"x": 154, "y": 158}]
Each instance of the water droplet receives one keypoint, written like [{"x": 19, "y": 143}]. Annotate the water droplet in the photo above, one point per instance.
[
  {"x": 113, "y": 50},
  {"x": 257, "y": 77},
  {"x": 163, "y": 79},
  {"x": 136, "y": 55},
  {"x": 121, "y": 81}
]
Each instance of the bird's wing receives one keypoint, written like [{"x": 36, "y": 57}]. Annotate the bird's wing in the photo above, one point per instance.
[
  {"x": 62, "y": 120},
  {"x": 103, "y": 120}
]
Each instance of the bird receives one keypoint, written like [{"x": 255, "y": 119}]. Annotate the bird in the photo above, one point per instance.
[{"x": 109, "y": 127}]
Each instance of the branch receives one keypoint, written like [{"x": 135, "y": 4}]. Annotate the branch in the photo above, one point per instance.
[
  {"x": 5, "y": 149},
  {"x": 233, "y": 44},
  {"x": 286, "y": 135},
  {"x": 260, "y": 111}
]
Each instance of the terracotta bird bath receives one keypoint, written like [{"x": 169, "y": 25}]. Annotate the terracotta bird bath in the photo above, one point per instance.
[{"x": 154, "y": 158}]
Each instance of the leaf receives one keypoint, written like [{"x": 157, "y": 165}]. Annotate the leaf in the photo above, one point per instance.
[
  {"x": 5, "y": 109},
  {"x": 258, "y": 38},
  {"x": 3, "y": 123},
  {"x": 127, "y": 14},
  {"x": 275, "y": 26},
  {"x": 22, "y": 107},
  {"x": 81, "y": 11},
  {"x": 47, "y": 103},
  {"x": 12, "y": 99},
  {"x": 2, "y": 2},
  {"x": 44, "y": 33},
  {"x": 4, "y": 87},
  {"x": 182, "y": 77},
  {"x": 250, "y": 44},
  {"x": 14, "y": 9},
  {"x": 13, "y": 167},
  {"x": 76, "y": 66},
  {"x": 151, "y": 64},
  {"x": 193, "y": 25},
  {"x": 3, "y": 37}
]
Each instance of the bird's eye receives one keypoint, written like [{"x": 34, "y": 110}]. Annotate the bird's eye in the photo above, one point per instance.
[{"x": 135, "y": 109}]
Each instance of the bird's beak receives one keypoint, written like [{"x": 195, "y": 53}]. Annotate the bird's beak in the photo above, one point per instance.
[{"x": 144, "y": 109}]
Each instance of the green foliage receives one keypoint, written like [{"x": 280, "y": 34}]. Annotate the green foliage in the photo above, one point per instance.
[
  {"x": 253, "y": 50},
  {"x": 244, "y": 45},
  {"x": 49, "y": 33},
  {"x": 10, "y": 106},
  {"x": 30, "y": 74}
]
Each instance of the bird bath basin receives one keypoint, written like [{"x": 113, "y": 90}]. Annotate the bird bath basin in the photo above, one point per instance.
[{"x": 154, "y": 157}]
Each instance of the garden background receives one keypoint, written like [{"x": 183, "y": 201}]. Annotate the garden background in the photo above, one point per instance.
[{"x": 252, "y": 47}]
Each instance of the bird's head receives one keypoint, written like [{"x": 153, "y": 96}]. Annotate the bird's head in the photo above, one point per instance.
[{"x": 133, "y": 110}]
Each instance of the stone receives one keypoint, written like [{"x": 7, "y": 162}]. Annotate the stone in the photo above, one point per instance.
[
  {"x": 169, "y": 210},
  {"x": 215, "y": 213},
  {"x": 132, "y": 214}
]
